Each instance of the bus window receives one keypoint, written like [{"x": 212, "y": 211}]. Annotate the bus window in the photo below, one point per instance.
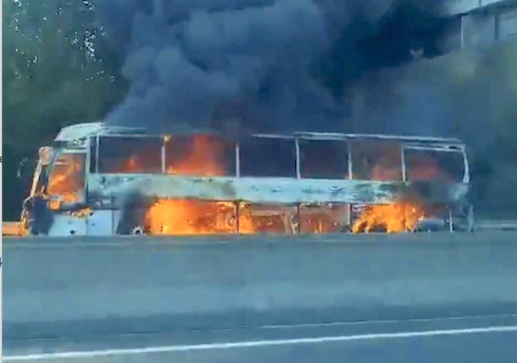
[
  {"x": 434, "y": 165},
  {"x": 67, "y": 175},
  {"x": 323, "y": 159},
  {"x": 199, "y": 155},
  {"x": 377, "y": 160},
  {"x": 268, "y": 157},
  {"x": 130, "y": 155}
]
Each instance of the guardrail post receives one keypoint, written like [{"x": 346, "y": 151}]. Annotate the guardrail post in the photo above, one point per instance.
[{"x": 451, "y": 227}]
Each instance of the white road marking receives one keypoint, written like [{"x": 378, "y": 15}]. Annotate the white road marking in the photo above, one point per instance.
[
  {"x": 386, "y": 322},
  {"x": 253, "y": 344}
]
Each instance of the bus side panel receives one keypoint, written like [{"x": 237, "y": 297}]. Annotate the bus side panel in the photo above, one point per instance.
[
  {"x": 64, "y": 224},
  {"x": 102, "y": 222}
]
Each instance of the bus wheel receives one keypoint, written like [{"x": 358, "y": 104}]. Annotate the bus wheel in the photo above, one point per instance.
[{"x": 138, "y": 230}]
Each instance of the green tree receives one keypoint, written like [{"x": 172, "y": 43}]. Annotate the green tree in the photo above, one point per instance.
[{"x": 57, "y": 70}]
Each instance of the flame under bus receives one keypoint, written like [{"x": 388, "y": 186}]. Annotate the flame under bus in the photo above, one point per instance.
[{"x": 109, "y": 180}]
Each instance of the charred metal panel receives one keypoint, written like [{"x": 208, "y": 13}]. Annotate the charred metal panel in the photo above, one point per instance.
[{"x": 115, "y": 189}]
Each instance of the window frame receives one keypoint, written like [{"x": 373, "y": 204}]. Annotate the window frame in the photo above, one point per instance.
[
  {"x": 81, "y": 193},
  {"x": 446, "y": 149}
]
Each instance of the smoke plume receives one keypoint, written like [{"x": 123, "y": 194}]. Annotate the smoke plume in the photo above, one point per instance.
[
  {"x": 204, "y": 64},
  {"x": 320, "y": 65}
]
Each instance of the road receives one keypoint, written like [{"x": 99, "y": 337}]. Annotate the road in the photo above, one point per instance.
[
  {"x": 441, "y": 332},
  {"x": 460, "y": 339}
]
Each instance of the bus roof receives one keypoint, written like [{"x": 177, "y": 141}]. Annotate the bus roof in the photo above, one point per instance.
[
  {"x": 405, "y": 138},
  {"x": 84, "y": 130}
]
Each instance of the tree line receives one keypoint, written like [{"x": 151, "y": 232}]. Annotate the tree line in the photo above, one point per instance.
[{"x": 58, "y": 69}]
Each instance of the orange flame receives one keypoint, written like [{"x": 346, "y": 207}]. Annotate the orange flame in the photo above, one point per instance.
[
  {"x": 264, "y": 219},
  {"x": 395, "y": 218},
  {"x": 61, "y": 181},
  {"x": 133, "y": 165},
  {"x": 204, "y": 158},
  {"x": 184, "y": 217},
  {"x": 188, "y": 217},
  {"x": 66, "y": 179}
]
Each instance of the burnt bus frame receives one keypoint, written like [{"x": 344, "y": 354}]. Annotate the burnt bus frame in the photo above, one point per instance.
[{"x": 405, "y": 143}]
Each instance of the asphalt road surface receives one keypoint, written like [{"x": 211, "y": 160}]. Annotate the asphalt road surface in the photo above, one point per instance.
[
  {"x": 463, "y": 337},
  {"x": 460, "y": 339}
]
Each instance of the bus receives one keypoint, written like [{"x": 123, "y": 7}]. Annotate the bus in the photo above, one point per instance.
[{"x": 102, "y": 180}]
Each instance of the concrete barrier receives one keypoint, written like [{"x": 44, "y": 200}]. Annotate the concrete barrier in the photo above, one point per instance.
[
  {"x": 502, "y": 225},
  {"x": 78, "y": 287}
]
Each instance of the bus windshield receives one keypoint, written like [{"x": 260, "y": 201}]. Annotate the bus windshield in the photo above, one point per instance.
[{"x": 66, "y": 178}]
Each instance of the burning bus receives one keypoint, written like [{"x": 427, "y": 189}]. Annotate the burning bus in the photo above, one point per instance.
[{"x": 103, "y": 180}]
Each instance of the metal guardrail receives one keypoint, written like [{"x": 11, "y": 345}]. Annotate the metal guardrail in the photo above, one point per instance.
[
  {"x": 10, "y": 228},
  {"x": 510, "y": 225}
]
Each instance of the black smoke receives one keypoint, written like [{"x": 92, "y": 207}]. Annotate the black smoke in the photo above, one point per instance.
[
  {"x": 188, "y": 60},
  {"x": 406, "y": 27},
  {"x": 262, "y": 65}
]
